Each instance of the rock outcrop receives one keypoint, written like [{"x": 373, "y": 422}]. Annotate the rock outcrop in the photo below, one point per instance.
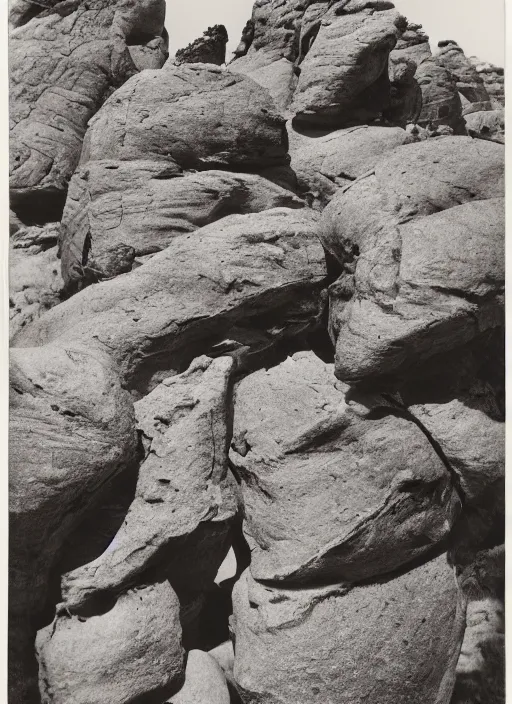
[
  {"x": 65, "y": 60},
  {"x": 208, "y": 49},
  {"x": 257, "y": 418}
]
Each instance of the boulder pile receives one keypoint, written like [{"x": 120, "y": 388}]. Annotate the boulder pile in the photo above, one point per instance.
[{"x": 257, "y": 360}]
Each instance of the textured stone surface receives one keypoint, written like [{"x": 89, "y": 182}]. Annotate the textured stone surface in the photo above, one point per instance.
[
  {"x": 409, "y": 290},
  {"x": 208, "y": 49},
  {"x": 183, "y": 488},
  {"x": 406, "y": 100},
  {"x": 130, "y": 653},
  {"x": 344, "y": 76},
  {"x": 334, "y": 490},
  {"x": 412, "y": 45},
  {"x": 489, "y": 124},
  {"x": 118, "y": 211},
  {"x": 469, "y": 82},
  {"x": 269, "y": 264},
  {"x": 35, "y": 281},
  {"x": 324, "y": 164},
  {"x": 205, "y": 682},
  {"x": 64, "y": 62},
  {"x": 195, "y": 115},
  {"x": 396, "y": 641},
  {"x": 441, "y": 103}
]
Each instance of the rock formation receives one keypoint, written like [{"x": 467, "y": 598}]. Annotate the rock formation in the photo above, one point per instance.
[
  {"x": 208, "y": 49},
  {"x": 257, "y": 366}
]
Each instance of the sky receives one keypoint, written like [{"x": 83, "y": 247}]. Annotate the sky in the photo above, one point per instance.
[{"x": 477, "y": 25}]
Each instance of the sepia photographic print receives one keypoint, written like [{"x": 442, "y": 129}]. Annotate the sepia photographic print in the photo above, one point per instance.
[{"x": 257, "y": 352}]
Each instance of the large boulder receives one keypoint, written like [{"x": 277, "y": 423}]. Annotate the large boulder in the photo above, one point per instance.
[
  {"x": 392, "y": 642},
  {"x": 488, "y": 124},
  {"x": 469, "y": 82},
  {"x": 195, "y": 115},
  {"x": 120, "y": 211},
  {"x": 325, "y": 163},
  {"x": 71, "y": 429},
  {"x": 334, "y": 490},
  {"x": 185, "y": 498},
  {"x": 256, "y": 282},
  {"x": 35, "y": 281},
  {"x": 344, "y": 76},
  {"x": 129, "y": 654},
  {"x": 65, "y": 59},
  {"x": 421, "y": 246}
]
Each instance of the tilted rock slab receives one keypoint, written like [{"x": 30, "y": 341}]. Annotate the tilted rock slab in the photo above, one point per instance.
[
  {"x": 421, "y": 245},
  {"x": 205, "y": 287},
  {"x": 183, "y": 485},
  {"x": 333, "y": 490},
  {"x": 392, "y": 642},
  {"x": 118, "y": 211},
  {"x": 344, "y": 76},
  {"x": 131, "y": 653},
  {"x": 196, "y": 115},
  {"x": 64, "y": 62},
  {"x": 326, "y": 163}
]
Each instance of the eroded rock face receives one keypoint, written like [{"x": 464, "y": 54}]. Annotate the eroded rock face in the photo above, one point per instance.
[
  {"x": 441, "y": 104},
  {"x": 494, "y": 81},
  {"x": 35, "y": 281},
  {"x": 208, "y": 49},
  {"x": 256, "y": 282},
  {"x": 130, "y": 653},
  {"x": 120, "y": 211},
  {"x": 412, "y": 45},
  {"x": 334, "y": 490},
  {"x": 469, "y": 82},
  {"x": 291, "y": 646},
  {"x": 344, "y": 76},
  {"x": 195, "y": 115},
  {"x": 184, "y": 492},
  {"x": 64, "y": 62},
  {"x": 409, "y": 291}
]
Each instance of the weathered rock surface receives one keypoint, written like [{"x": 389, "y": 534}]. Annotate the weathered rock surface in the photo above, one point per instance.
[
  {"x": 344, "y": 76},
  {"x": 441, "y": 104},
  {"x": 256, "y": 282},
  {"x": 488, "y": 125},
  {"x": 406, "y": 100},
  {"x": 395, "y": 641},
  {"x": 333, "y": 490},
  {"x": 208, "y": 49},
  {"x": 205, "y": 682},
  {"x": 118, "y": 211},
  {"x": 412, "y": 45},
  {"x": 324, "y": 164},
  {"x": 195, "y": 115},
  {"x": 35, "y": 282},
  {"x": 409, "y": 290},
  {"x": 494, "y": 80},
  {"x": 469, "y": 82},
  {"x": 183, "y": 489},
  {"x": 71, "y": 429},
  {"x": 131, "y": 653},
  {"x": 64, "y": 61}
]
